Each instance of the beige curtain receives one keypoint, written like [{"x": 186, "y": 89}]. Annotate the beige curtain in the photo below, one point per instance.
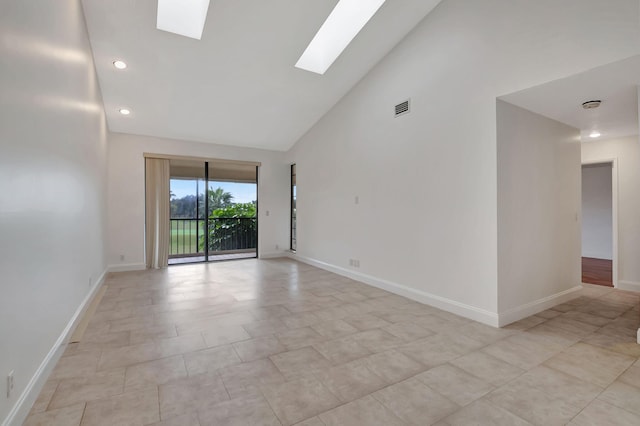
[{"x": 157, "y": 212}]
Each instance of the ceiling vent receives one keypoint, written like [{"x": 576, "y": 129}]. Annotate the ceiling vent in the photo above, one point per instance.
[
  {"x": 402, "y": 108},
  {"x": 591, "y": 104}
]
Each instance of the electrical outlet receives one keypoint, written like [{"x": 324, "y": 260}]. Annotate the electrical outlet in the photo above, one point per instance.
[
  {"x": 9, "y": 384},
  {"x": 356, "y": 263},
  {"x": 122, "y": 258},
  {"x": 350, "y": 262},
  {"x": 277, "y": 247},
  {"x": 267, "y": 213}
]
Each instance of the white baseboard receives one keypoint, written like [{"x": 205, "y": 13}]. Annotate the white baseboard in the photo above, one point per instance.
[
  {"x": 532, "y": 308},
  {"x": 126, "y": 267},
  {"x": 272, "y": 255},
  {"x": 20, "y": 410},
  {"x": 464, "y": 310},
  {"x": 628, "y": 286}
]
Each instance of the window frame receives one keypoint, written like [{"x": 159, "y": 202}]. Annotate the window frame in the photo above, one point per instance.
[{"x": 293, "y": 210}]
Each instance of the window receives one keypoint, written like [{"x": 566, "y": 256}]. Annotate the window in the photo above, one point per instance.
[{"x": 294, "y": 235}]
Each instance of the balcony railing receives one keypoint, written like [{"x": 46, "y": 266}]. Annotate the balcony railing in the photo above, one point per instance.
[
  {"x": 225, "y": 235},
  {"x": 186, "y": 235}
]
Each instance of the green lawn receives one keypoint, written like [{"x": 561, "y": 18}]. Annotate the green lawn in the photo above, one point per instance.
[{"x": 184, "y": 239}]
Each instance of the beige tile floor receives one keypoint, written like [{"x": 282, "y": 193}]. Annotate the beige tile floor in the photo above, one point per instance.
[{"x": 275, "y": 342}]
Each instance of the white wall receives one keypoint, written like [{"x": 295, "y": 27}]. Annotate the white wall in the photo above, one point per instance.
[
  {"x": 126, "y": 193},
  {"x": 538, "y": 211},
  {"x": 427, "y": 218},
  {"x": 52, "y": 181},
  {"x": 627, "y": 153},
  {"x": 597, "y": 212}
]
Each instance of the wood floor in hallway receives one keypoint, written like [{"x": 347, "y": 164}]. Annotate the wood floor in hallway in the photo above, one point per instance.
[{"x": 597, "y": 271}]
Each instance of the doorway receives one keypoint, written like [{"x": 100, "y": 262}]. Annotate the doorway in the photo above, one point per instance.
[
  {"x": 214, "y": 211},
  {"x": 599, "y": 223}
]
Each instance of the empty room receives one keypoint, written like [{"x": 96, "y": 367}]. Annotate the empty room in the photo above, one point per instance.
[{"x": 319, "y": 213}]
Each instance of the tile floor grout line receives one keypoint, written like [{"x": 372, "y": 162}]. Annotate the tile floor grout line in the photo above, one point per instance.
[
  {"x": 487, "y": 401},
  {"x": 159, "y": 410},
  {"x": 226, "y": 388},
  {"x": 52, "y": 395},
  {"x": 84, "y": 410},
  {"x": 271, "y": 406}
]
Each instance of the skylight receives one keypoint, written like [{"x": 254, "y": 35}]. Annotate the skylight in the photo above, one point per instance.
[
  {"x": 183, "y": 17},
  {"x": 343, "y": 24}
]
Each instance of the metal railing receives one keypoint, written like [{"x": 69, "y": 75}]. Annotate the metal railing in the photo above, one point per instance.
[
  {"x": 185, "y": 237},
  {"x": 226, "y": 234},
  {"x": 232, "y": 233}
]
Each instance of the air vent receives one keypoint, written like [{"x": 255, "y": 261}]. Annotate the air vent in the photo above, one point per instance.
[{"x": 402, "y": 108}]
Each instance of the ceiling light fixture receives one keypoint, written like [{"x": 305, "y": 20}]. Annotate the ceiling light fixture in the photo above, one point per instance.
[
  {"x": 120, "y": 64},
  {"x": 183, "y": 17},
  {"x": 595, "y": 134},
  {"x": 591, "y": 104},
  {"x": 124, "y": 111},
  {"x": 341, "y": 27}
]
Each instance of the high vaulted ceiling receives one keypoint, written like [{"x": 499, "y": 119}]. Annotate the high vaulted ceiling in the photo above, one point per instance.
[{"x": 238, "y": 85}]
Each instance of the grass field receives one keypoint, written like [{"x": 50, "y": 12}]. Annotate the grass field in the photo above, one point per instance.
[{"x": 184, "y": 238}]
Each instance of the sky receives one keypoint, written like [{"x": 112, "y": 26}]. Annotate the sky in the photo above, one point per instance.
[{"x": 242, "y": 192}]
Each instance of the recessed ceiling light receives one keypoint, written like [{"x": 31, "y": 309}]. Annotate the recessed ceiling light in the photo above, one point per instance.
[
  {"x": 124, "y": 111},
  {"x": 120, "y": 64},
  {"x": 183, "y": 17},
  {"x": 595, "y": 134},
  {"x": 343, "y": 24}
]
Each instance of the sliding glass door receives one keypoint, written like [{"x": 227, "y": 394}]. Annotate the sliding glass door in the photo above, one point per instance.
[{"x": 214, "y": 211}]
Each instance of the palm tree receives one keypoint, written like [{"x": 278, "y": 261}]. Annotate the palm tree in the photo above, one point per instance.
[{"x": 218, "y": 199}]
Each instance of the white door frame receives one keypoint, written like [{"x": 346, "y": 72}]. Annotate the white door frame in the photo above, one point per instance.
[{"x": 614, "y": 209}]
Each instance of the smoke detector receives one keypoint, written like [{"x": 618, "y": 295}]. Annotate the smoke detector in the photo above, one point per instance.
[{"x": 591, "y": 104}]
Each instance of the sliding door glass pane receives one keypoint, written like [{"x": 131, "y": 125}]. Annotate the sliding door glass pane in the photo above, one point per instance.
[
  {"x": 233, "y": 222},
  {"x": 187, "y": 226}
]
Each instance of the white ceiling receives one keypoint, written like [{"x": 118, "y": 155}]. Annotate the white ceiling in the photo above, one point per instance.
[
  {"x": 614, "y": 84},
  {"x": 238, "y": 85}
]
